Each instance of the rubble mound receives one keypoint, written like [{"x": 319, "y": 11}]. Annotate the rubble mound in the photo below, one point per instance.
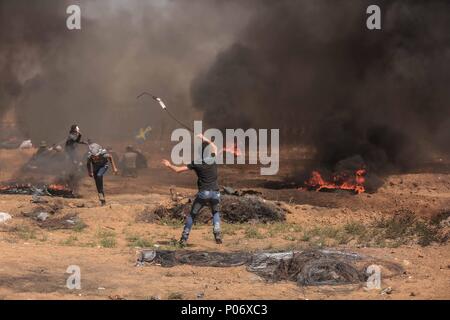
[
  {"x": 68, "y": 221},
  {"x": 233, "y": 209},
  {"x": 48, "y": 216}
]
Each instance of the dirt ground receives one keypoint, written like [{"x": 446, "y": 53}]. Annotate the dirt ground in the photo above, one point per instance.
[{"x": 34, "y": 259}]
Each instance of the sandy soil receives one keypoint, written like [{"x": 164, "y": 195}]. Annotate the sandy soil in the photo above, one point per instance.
[{"x": 34, "y": 260}]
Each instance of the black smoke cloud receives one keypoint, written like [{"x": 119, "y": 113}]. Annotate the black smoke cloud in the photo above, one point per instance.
[
  {"x": 310, "y": 68},
  {"x": 52, "y": 77},
  {"x": 313, "y": 69}
]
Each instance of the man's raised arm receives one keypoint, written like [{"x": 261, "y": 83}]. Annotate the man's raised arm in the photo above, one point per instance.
[{"x": 212, "y": 144}]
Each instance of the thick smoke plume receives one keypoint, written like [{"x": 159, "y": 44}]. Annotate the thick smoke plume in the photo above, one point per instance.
[
  {"x": 313, "y": 69},
  {"x": 53, "y": 77},
  {"x": 310, "y": 68}
]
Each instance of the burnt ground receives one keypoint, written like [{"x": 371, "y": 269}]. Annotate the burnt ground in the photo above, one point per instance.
[{"x": 405, "y": 222}]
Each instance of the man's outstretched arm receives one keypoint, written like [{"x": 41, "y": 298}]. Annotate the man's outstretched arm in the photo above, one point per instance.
[
  {"x": 177, "y": 169},
  {"x": 113, "y": 163}
]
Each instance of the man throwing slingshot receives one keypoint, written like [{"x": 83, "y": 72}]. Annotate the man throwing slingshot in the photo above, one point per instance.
[{"x": 208, "y": 190}]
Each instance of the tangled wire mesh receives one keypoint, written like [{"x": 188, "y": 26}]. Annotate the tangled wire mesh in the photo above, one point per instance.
[{"x": 306, "y": 268}]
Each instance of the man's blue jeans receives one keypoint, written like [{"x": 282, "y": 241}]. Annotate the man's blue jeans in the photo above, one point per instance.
[
  {"x": 99, "y": 172},
  {"x": 204, "y": 198}
]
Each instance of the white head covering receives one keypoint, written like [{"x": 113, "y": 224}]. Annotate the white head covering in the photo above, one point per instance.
[{"x": 96, "y": 150}]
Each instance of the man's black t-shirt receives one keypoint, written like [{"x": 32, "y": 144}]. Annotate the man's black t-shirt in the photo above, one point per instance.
[{"x": 207, "y": 176}]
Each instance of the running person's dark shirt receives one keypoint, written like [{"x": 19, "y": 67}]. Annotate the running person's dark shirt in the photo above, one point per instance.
[
  {"x": 100, "y": 160},
  {"x": 206, "y": 174}
]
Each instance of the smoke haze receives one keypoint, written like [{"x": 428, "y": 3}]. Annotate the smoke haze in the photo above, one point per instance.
[
  {"x": 54, "y": 77},
  {"x": 310, "y": 68}
]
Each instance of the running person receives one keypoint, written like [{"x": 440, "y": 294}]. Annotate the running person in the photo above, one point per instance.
[
  {"x": 208, "y": 191},
  {"x": 97, "y": 164}
]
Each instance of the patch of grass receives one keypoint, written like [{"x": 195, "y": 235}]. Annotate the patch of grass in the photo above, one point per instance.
[
  {"x": 306, "y": 236},
  {"x": 283, "y": 228},
  {"x": 252, "y": 232},
  {"x": 328, "y": 232},
  {"x": 79, "y": 226},
  {"x": 289, "y": 237},
  {"x": 108, "y": 242},
  {"x": 436, "y": 220},
  {"x": 316, "y": 244},
  {"x": 355, "y": 228},
  {"x": 70, "y": 241},
  {"x": 404, "y": 227},
  {"x": 331, "y": 234},
  {"x": 320, "y": 232},
  {"x": 380, "y": 242},
  {"x": 394, "y": 243},
  {"x": 230, "y": 229},
  {"x": 172, "y": 244},
  {"x": 396, "y": 226},
  {"x": 107, "y": 238},
  {"x": 233, "y": 242},
  {"x": 25, "y": 233},
  {"x": 138, "y": 241},
  {"x": 106, "y": 233},
  {"x": 171, "y": 222},
  {"x": 175, "y": 296},
  {"x": 426, "y": 234},
  {"x": 343, "y": 237}
]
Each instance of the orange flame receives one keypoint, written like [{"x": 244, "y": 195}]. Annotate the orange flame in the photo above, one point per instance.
[
  {"x": 5, "y": 188},
  {"x": 58, "y": 187},
  {"x": 340, "y": 182}
]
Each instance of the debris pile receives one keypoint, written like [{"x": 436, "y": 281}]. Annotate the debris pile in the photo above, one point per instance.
[
  {"x": 306, "y": 268},
  {"x": 53, "y": 190},
  {"x": 47, "y": 216},
  {"x": 68, "y": 221},
  {"x": 169, "y": 258},
  {"x": 314, "y": 267},
  {"x": 309, "y": 268},
  {"x": 233, "y": 209}
]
